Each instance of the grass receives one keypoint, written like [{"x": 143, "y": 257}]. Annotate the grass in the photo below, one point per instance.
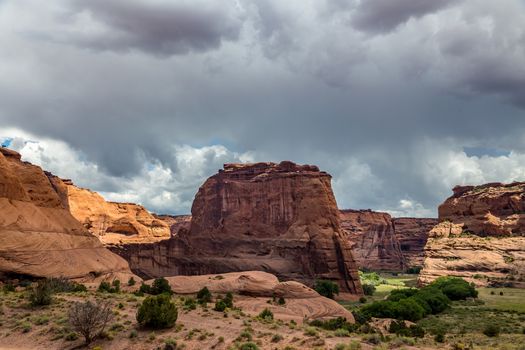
[{"x": 513, "y": 299}]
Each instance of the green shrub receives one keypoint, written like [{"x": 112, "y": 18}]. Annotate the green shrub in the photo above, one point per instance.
[
  {"x": 157, "y": 312},
  {"x": 414, "y": 270},
  {"x": 249, "y": 346},
  {"x": 266, "y": 314},
  {"x": 400, "y": 328},
  {"x": 204, "y": 296},
  {"x": 131, "y": 281},
  {"x": 170, "y": 344},
  {"x": 41, "y": 294},
  {"x": 281, "y": 301},
  {"x": 144, "y": 288},
  {"x": 334, "y": 324},
  {"x": 369, "y": 289},
  {"x": 276, "y": 338},
  {"x": 106, "y": 287},
  {"x": 491, "y": 330},
  {"x": 455, "y": 288},
  {"x": 405, "y": 309},
  {"x": 228, "y": 300},
  {"x": 326, "y": 288},
  {"x": 9, "y": 287},
  {"x": 362, "y": 300},
  {"x": 341, "y": 332},
  {"x": 220, "y": 305},
  {"x": 190, "y": 304},
  {"x": 439, "y": 338},
  {"x": 71, "y": 336},
  {"x": 160, "y": 286}
]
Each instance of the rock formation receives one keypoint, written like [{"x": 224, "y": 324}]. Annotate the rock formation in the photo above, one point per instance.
[
  {"x": 481, "y": 236},
  {"x": 38, "y": 236},
  {"x": 412, "y": 234},
  {"x": 372, "y": 238},
  {"x": 113, "y": 223},
  {"x": 280, "y": 218},
  {"x": 176, "y": 222},
  {"x": 255, "y": 288}
]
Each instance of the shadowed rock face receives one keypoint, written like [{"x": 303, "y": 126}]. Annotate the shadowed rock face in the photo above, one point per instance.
[
  {"x": 280, "y": 218},
  {"x": 176, "y": 222},
  {"x": 38, "y": 235},
  {"x": 412, "y": 234},
  {"x": 111, "y": 222},
  {"x": 373, "y": 240},
  {"x": 481, "y": 236}
]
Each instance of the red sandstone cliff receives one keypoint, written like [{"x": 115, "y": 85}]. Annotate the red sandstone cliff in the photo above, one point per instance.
[
  {"x": 280, "y": 218},
  {"x": 38, "y": 236},
  {"x": 176, "y": 222},
  {"x": 481, "y": 236},
  {"x": 373, "y": 240},
  {"x": 412, "y": 234},
  {"x": 111, "y": 222}
]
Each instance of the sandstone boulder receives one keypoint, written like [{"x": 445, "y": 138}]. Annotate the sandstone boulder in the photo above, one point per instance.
[
  {"x": 253, "y": 289},
  {"x": 38, "y": 235}
]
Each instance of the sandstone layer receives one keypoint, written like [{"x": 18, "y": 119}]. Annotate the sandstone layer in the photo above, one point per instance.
[
  {"x": 372, "y": 239},
  {"x": 176, "y": 222},
  {"x": 481, "y": 236},
  {"x": 412, "y": 234},
  {"x": 255, "y": 288},
  {"x": 112, "y": 222},
  {"x": 280, "y": 218},
  {"x": 38, "y": 235}
]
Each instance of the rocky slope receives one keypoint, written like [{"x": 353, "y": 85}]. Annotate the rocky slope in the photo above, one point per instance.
[
  {"x": 255, "y": 288},
  {"x": 373, "y": 240},
  {"x": 412, "y": 234},
  {"x": 38, "y": 235},
  {"x": 113, "y": 223},
  {"x": 280, "y": 218},
  {"x": 481, "y": 236}
]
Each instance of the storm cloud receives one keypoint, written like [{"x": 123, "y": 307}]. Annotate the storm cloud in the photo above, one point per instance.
[{"x": 142, "y": 100}]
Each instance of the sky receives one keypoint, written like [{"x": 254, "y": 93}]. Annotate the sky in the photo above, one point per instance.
[{"x": 142, "y": 100}]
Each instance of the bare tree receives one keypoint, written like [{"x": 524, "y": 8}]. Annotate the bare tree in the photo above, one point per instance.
[{"x": 90, "y": 319}]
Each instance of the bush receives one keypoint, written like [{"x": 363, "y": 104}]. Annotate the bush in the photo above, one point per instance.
[
  {"x": 160, "y": 286},
  {"x": 439, "y": 338},
  {"x": 131, "y": 281},
  {"x": 362, "y": 300},
  {"x": 8, "y": 287},
  {"x": 204, "y": 296},
  {"x": 144, "y": 289},
  {"x": 228, "y": 300},
  {"x": 266, "y": 314},
  {"x": 41, "y": 294},
  {"x": 106, "y": 287},
  {"x": 491, "y": 330},
  {"x": 341, "y": 332},
  {"x": 455, "y": 288},
  {"x": 157, "y": 312},
  {"x": 405, "y": 309},
  {"x": 249, "y": 346},
  {"x": 414, "y": 270},
  {"x": 334, "y": 324},
  {"x": 90, "y": 319},
  {"x": 435, "y": 299},
  {"x": 369, "y": 289},
  {"x": 326, "y": 288},
  {"x": 281, "y": 301},
  {"x": 63, "y": 285},
  {"x": 220, "y": 305}
]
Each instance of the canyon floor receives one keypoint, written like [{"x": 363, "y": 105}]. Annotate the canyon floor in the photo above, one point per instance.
[{"x": 24, "y": 327}]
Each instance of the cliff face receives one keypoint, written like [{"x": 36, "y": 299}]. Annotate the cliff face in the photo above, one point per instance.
[
  {"x": 280, "y": 218},
  {"x": 372, "y": 239},
  {"x": 412, "y": 234},
  {"x": 38, "y": 235},
  {"x": 112, "y": 223},
  {"x": 481, "y": 236},
  {"x": 176, "y": 222}
]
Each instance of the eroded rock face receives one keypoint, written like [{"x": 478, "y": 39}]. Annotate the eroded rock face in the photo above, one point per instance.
[
  {"x": 373, "y": 240},
  {"x": 38, "y": 235},
  {"x": 176, "y": 222},
  {"x": 412, "y": 234},
  {"x": 280, "y": 218},
  {"x": 481, "y": 236},
  {"x": 111, "y": 222}
]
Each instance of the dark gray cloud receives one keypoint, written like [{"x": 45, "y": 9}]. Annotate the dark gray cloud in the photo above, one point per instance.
[
  {"x": 382, "y": 16},
  {"x": 159, "y": 27},
  {"x": 389, "y": 116}
]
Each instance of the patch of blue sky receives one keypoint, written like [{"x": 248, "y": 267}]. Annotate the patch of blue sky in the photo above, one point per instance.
[{"x": 483, "y": 151}]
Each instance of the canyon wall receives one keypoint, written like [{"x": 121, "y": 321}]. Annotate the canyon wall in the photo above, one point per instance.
[
  {"x": 280, "y": 218},
  {"x": 38, "y": 235},
  {"x": 373, "y": 241},
  {"x": 481, "y": 236},
  {"x": 412, "y": 234},
  {"x": 111, "y": 222}
]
